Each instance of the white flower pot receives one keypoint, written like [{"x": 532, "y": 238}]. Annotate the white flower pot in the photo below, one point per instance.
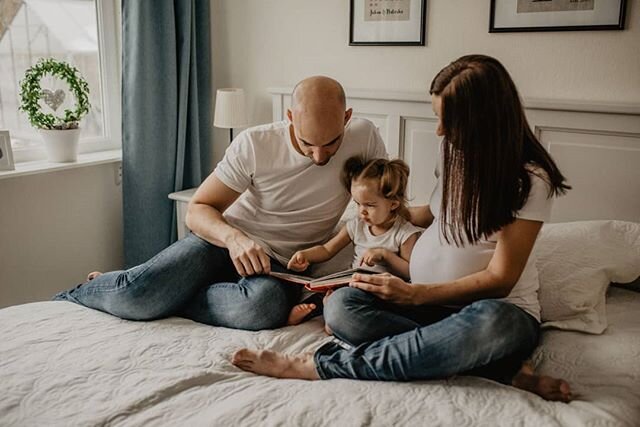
[{"x": 61, "y": 145}]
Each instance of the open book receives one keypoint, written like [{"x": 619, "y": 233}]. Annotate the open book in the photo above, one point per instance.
[{"x": 329, "y": 281}]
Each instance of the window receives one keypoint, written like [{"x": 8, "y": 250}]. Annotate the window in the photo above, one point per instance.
[{"x": 81, "y": 32}]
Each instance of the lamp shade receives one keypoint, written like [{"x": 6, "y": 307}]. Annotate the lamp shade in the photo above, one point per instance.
[{"x": 230, "y": 110}]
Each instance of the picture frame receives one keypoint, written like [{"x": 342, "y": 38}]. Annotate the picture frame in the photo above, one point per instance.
[
  {"x": 387, "y": 22},
  {"x": 6, "y": 154},
  {"x": 556, "y": 15}
]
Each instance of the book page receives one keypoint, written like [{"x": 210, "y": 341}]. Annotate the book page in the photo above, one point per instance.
[
  {"x": 328, "y": 281},
  {"x": 304, "y": 280},
  {"x": 348, "y": 273}
]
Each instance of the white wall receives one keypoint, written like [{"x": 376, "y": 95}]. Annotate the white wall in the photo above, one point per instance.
[
  {"x": 56, "y": 227},
  {"x": 264, "y": 43}
]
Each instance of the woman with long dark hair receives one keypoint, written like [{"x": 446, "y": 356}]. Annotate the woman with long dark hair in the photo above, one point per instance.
[{"x": 472, "y": 306}]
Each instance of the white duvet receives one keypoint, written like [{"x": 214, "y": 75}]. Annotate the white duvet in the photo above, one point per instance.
[{"x": 62, "y": 364}]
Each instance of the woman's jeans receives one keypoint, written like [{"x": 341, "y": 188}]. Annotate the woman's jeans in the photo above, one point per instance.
[
  {"x": 194, "y": 279},
  {"x": 487, "y": 338}
]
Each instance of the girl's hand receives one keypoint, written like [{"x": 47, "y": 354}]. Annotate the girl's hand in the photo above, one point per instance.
[
  {"x": 386, "y": 287},
  {"x": 373, "y": 256},
  {"x": 298, "y": 262}
]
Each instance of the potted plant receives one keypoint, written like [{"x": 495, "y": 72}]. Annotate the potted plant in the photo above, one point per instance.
[{"x": 60, "y": 133}]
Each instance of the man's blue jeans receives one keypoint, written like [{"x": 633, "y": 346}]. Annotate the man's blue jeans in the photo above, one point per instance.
[
  {"x": 487, "y": 338},
  {"x": 194, "y": 279}
]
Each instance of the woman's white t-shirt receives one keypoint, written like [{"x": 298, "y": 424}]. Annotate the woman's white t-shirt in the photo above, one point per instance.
[
  {"x": 435, "y": 261},
  {"x": 392, "y": 239}
]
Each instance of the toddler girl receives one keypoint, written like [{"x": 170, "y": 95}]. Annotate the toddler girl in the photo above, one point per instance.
[{"x": 381, "y": 233}]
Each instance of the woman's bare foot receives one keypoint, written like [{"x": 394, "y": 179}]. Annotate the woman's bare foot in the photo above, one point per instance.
[
  {"x": 546, "y": 387},
  {"x": 298, "y": 313},
  {"x": 272, "y": 364},
  {"x": 93, "y": 275}
]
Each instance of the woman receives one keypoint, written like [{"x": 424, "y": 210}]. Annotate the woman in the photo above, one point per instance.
[{"x": 472, "y": 307}]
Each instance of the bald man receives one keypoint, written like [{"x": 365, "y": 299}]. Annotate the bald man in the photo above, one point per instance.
[{"x": 277, "y": 190}]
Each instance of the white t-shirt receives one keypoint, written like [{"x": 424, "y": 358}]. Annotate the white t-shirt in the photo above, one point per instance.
[
  {"x": 288, "y": 203},
  {"x": 435, "y": 261},
  {"x": 391, "y": 239}
]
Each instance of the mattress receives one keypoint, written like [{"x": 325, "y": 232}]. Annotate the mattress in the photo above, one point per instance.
[{"x": 63, "y": 364}]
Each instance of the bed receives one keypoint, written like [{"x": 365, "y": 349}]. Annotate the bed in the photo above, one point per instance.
[
  {"x": 66, "y": 365},
  {"x": 63, "y": 364}
]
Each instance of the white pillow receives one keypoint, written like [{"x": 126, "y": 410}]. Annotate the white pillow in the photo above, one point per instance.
[{"x": 576, "y": 262}]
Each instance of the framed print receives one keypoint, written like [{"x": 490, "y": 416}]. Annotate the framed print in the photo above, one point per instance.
[
  {"x": 556, "y": 15},
  {"x": 387, "y": 22},
  {"x": 6, "y": 155}
]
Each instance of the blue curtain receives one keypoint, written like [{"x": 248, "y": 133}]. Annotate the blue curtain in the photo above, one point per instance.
[{"x": 166, "y": 115}]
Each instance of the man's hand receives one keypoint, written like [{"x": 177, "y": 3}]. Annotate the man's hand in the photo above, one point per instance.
[
  {"x": 248, "y": 257},
  {"x": 298, "y": 262},
  {"x": 373, "y": 256},
  {"x": 386, "y": 287}
]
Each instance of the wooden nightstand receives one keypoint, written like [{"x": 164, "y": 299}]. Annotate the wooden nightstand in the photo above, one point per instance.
[{"x": 182, "y": 200}]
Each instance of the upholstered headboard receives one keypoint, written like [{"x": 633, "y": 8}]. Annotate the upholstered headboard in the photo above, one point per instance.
[{"x": 596, "y": 146}]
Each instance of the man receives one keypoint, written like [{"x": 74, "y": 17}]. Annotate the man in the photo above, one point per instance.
[{"x": 277, "y": 190}]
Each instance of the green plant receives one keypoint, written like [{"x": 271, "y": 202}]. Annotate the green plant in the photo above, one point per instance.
[{"x": 31, "y": 92}]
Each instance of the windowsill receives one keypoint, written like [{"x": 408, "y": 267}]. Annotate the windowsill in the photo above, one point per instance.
[{"x": 43, "y": 166}]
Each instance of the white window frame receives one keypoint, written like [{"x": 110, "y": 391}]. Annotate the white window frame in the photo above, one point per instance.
[{"x": 107, "y": 15}]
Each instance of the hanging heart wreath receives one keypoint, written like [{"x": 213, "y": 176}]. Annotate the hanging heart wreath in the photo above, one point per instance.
[{"x": 31, "y": 93}]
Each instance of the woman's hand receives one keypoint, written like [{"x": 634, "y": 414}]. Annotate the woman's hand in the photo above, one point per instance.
[
  {"x": 386, "y": 287},
  {"x": 373, "y": 256},
  {"x": 298, "y": 262}
]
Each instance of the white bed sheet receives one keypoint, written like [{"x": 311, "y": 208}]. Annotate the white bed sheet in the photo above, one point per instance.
[{"x": 62, "y": 364}]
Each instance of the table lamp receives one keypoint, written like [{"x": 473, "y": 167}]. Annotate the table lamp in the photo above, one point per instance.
[{"x": 230, "y": 110}]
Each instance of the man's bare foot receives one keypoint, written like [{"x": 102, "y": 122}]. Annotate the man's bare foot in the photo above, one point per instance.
[
  {"x": 546, "y": 387},
  {"x": 93, "y": 275},
  {"x": 272, "y": 364},
  {"x": 298, "y": 313}
]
